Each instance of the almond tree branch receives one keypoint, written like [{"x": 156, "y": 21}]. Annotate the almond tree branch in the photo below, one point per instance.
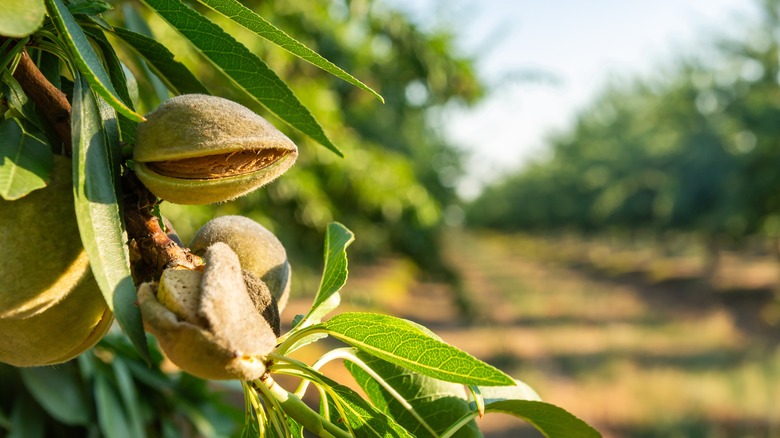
[
  {"x": 50, "y": 101},
  {"x": 155, "y": 249},
  {"x": 151, "y": 249}
]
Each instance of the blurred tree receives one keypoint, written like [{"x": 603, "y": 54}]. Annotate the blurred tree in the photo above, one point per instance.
[
  {"x": 693, "y": 150},
  {"x": 400, "y": 171}
]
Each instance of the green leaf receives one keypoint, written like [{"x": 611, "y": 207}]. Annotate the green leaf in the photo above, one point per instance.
[
  {"x": 173, "y": 73},
  {"x": 296, "y": 429},
  {"x": 334, "y": 276},
  {"x": 97, "y": 212},
  {"x": 25, "y": 161},
  {"x": 26, "y": 418},
  {"x": 89, "y": 7},
  {"x": 334, "y": 273},
  {"x": 86, "y": 59},
  {"x": 519, "y": 391},
  {"x": 118, "y": 79},
  {"x": 111, "y": 414},
  {"x": 257, "y": 24},
  {"x": 403, "y": 343},
  {"x": 436, "y": 402},
  {"x": 18, "y": 102},
  {"x": 363, "y": 419},
  {"x": 551, "y": 420},
  {"x": 135, "y": 22},
  {"x": 129, "y": 396},
  {"x": 243, "y": 67},
  {"x": 59, "y": 391},
  {"x": 19, "y": 18}
]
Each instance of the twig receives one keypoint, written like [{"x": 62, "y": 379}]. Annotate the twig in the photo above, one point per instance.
[
  {"x": 148, "y": 239},
  {"x": 48, "y": 99},
  {"x": 152, "y": 250}
]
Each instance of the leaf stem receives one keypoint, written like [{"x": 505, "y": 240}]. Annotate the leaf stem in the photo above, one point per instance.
[
  {"x": 300, "y": 412},
  {"x": 455, "y": 427},
  {"x": 348, "y": 353},
  {"x": 291, "y": 338},
  {"x": 274, "y": 411}
]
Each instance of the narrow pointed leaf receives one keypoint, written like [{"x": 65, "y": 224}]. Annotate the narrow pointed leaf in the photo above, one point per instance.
[
  {"x": 135, "y": 22},
  {"x": 59, "y": 391},
  {"x": 173, "y": 73},
  {"x": 403, "y": 343},
  {"x": 86, "y": 59},
  {"x": 97, "y": 212},
  {"x": 550, "y": 420},
  {"x": 118, "y": 79},
  {"x": 436, "y": 402},
  {"x": 17, "y": 101},
  {"x": 257, "y": 24},
  {"x": 334, "y": 276},
  {"x": 129, "y": 396},
  {"x": 111, "y": 414},
  {"x": 337, "y": 239},
  {"x": 519, "y": 391},
  {"x": 363, "y": 419},
  {"x": 246, "y": 70},
  {"x": 25, "y": 161}
]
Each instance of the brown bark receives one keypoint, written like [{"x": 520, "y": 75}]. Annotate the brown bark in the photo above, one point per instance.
[
  {"x": 154, "y": 249},
  {"x": 151, "y": 249},
  {"x": 50, "y": 101}
]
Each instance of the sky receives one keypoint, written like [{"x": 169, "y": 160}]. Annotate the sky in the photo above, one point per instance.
[{"x": 579, "y": 46}]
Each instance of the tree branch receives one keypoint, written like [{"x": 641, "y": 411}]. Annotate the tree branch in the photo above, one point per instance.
[
  {"x": 156, "y": 250},
  {"x": 151, "y": 249},
  {"x": 48, "y": 99}
]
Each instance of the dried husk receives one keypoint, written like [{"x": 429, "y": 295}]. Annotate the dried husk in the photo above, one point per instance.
[
  {"x": 259, "y": 251},
  {"x": 215, "y": 330}
]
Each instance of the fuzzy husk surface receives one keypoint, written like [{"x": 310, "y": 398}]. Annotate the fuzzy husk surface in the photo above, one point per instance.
[
  {"x": 257, "y": 248},
  {"x": 215, "y": 331},
  {"x": 194, "y": 126},
  {"x": 51, "y": 308}
]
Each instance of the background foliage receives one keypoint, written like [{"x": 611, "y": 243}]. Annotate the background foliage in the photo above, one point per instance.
[
  {"x": 400, "y": 173},
  {"x": 692, "y": 149}
]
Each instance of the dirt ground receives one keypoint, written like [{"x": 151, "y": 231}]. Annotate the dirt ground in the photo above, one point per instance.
[{"x": 636, "y": 345}]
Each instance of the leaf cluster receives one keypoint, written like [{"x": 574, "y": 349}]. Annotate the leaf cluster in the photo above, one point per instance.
[{"x": 417, "y": 384}]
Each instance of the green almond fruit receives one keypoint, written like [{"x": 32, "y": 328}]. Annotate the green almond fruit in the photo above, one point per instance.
[
  {"x": 51, "y": 308},
  {"x": 199, "y": 149}
]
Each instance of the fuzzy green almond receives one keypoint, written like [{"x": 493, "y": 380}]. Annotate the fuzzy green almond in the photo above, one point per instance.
[
  {"x": 51, "y": 308},
  {"x": 72, "y": 326},
  {"x": 200, "y": 149}
]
